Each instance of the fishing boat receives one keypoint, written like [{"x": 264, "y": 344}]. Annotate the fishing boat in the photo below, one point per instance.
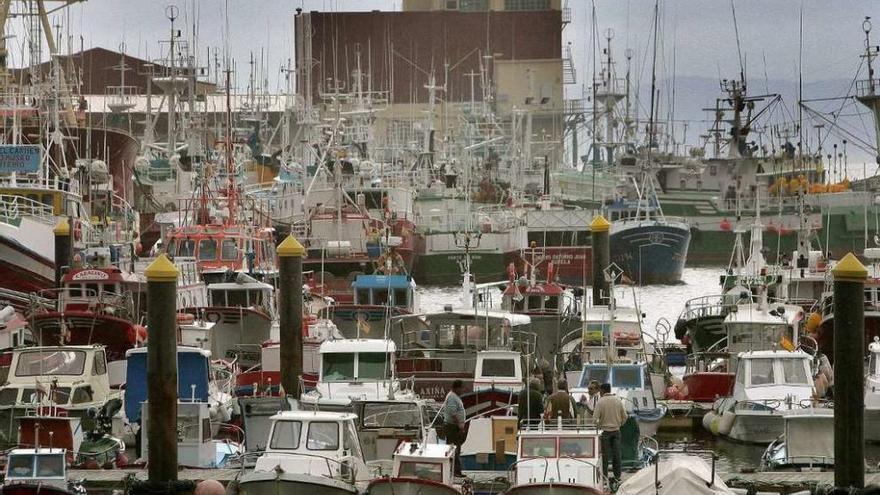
[
  {"x": 384, "y": 424},
  {"x": 419, "y": 468},
  {"x": 872, "y": 393},
  {"x": 309, "y": 451},
  {"x": 375, "y": 299},
  {"x": 561, "y": 236},
  {"x": 39, "y": 470},
  {"x": 240, "y": 315},
  {"x": 650, "y": 247},
  {"x": 560, "y": 458},
  {"x": 355, "y": 369},
  {"x": 806, "y": 444},
  {"x": 552, "y": 308},
  {"x": 767, "y": 384},
  {"x": 75, "y": 378}
]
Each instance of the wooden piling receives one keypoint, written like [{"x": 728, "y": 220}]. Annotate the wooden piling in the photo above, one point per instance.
[
  {"x": 601, "y": 258},
  {"x": 162, "y": 371},
  {"x": 849, "y": 380},
  {"x": 290, "y": 309}
]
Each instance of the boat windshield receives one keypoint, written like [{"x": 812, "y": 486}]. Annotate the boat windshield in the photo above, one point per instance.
[
  {"x": 323, "y": 435},
  {"x": 432, "y": 471},
  {"x": 286, "y": 435},
  {"x": 795, "y": 372},
  {"x": 374, "y": 365},
  {"x": 762, "y": 372},
  {"x": 499, "y": 368},
  {"x": 56, "y": 362},
  {"x": 391, "y": 415},
  {"x": 538, "y": 447},
  {"x": 35, "y": 466},
  {"x": 626, "y": 377},
  {"x": 337, "y": 367},
  {"x": 593, "y": 372}
]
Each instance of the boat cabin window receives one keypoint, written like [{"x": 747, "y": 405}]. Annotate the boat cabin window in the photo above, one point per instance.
[
  {"x": 538, "y": 447},
  {"x": 92, "y": 290},
  {"x": 337, "y": 366},
  {"x": 757, "y": 336},
  {"x": 626, "y": 376},
  {"x": 451, "y": 336},
  {"x": 374, "y": 365},
  {"x": 36, "y": 466},
  {"x": 762, "y": 372},
  {"x": 390, "y": 415},
  {"x": 499, "y": 367},
  {"x": 8, "y": 396},
  {"x": 171, "y": 247},
  {"x": 380, "y": 297},
  {"x": 323, "y": 435},
  {"x": 187, "y": 248},
  {"x": 60, "y": 395},
  {"x": 285, "y": 435},
  {"x": 229, "y": 250},
  {"x": 362, "y": 296},
  {"x": 82, "y": 395},
  {"x": 36, "y": 363},
  {"x": 100, "y": 366},
  {"x": 401, "y": 298},
  {"x": 432, "y": 471},
  {"x": 577, "y": 447},
  {"x": 551, "y": 302},
  {"x": 590, "y": 373},
  {"x": 74, "y": 290},
  {"x": 795, "y": 372},
  {"x": 207, "y": 250}
]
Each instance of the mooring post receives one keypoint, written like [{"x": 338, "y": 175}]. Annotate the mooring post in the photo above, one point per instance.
[
  {"x": 63, "y": 248},
  {"x": 849, "y": 384},
  {"x": 601, "y": 258},
  {"x": 162, "y": 371},
  {"x": 290, "y": 309}
]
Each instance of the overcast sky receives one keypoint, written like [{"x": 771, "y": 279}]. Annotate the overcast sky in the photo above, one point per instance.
[{"x": 701, "y": 31}]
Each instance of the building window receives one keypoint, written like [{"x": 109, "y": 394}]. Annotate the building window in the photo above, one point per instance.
[
  {"x": 473, "y": 5},
  {"x": 451, "y": 4},
  {"x": 526, "y": 4}
]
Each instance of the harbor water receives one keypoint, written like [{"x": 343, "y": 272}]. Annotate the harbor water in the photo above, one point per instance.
[{"x": 662, "y": 303}]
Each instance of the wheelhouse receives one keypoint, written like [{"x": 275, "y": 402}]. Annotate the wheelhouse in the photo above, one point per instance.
[
  {"x": 564, "y": 452},
  {"x": 384, "y": 290}
]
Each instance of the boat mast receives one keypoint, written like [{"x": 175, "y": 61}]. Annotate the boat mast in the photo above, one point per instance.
[{"x": 651, "y": 131}]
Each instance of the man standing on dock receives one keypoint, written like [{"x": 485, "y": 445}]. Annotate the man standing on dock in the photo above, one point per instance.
[
  {"x": 453, "y": 421},
  {"x": 610, "y": 415}
]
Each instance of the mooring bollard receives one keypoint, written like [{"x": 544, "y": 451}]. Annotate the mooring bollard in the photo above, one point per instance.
[
  {"x": 290, "y": 309},
  {"x": 601, "y": 258},
  {"x": 849, "y": 384},
  {"x": 63, "y": 248},
  {"x": 162, "y": 371}
]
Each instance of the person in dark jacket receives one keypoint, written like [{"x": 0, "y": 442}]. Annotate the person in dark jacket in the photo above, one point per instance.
[{"x": 531, "y": 401}]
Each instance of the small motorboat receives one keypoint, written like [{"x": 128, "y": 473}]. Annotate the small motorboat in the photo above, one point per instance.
[
  {"x": 39, "y": 471},
  {"x": 807, "y": 444},
  {"x": 674, "y": 473},
  {"x": 420, "y": 469}
]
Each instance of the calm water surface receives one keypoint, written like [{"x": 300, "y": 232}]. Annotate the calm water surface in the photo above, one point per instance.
[{"x": 661, "y": 302}]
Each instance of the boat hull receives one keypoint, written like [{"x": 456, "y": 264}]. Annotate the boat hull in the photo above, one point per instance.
[
  {"x": 651, "y": 252},
  {"x": 445, "y": 268},
  {"x": 553, "y": 489},
  {"x": 872, "y": 425},
  {"x": 272, "y": 483},
  {"x": 409, "y": 486},
  {"x": 825, "y": 334},
  {"x": 23, "y": 269},
  {"x": 708, "y": 386},
  {"x": 756, "y": 427}
]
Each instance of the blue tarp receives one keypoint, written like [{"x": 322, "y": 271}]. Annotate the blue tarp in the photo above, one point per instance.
[
  {"x": 192, "y": 369},
  {"x": 381, "y": 282}
]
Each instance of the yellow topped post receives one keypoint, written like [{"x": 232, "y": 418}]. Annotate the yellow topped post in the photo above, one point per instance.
[
  {"x": 290, "y": 313},
  {"x": 162, "y": 270},
  {"x": 290, "y": 247},
  {"x": 62, "y": 228},
  {"x": 600, "y": 224},
  {"x": 848, "y": 350},
  {"x": 849, "y": 268}
]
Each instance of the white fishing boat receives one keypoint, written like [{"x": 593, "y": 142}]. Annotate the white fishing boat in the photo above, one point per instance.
[
  {"x": 309, "y": 452},
  {"x": 561, "y": 458},
  {"x": 806, "y": 444},
  {"x": 767, "y": 383},
  {"x": 419, "y": 469},
  {"x": 353, "y": 369}
]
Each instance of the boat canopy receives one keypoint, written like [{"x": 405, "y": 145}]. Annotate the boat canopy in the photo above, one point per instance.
[
  {"x": 193, "y": 375},
  {"x": 677, "y": 474}
]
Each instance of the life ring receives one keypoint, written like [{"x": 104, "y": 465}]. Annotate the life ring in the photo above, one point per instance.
[
  {"x": 213, "y": 317},
  {"x": 77, "y": 230}
]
